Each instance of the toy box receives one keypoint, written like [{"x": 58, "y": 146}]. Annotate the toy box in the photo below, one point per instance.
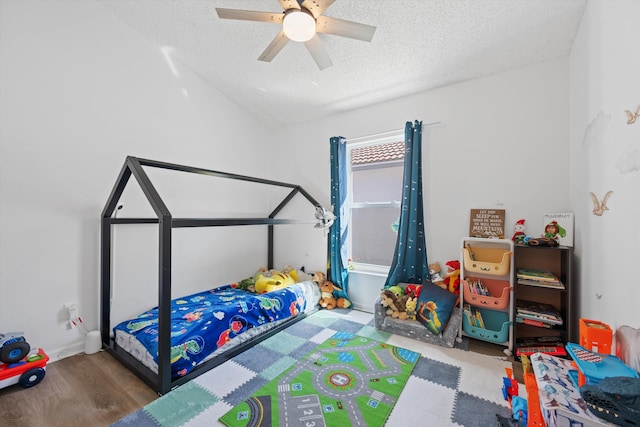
[
  {"x": 595, "y": 336},
  {"x": 560, "y": 401}
]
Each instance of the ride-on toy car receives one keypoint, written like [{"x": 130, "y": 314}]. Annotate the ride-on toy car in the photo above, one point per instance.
[{"x": 18, "y": 364}]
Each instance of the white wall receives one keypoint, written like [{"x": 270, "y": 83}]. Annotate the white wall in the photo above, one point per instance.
[
  {"x": 80, "y": 92},
  {"x": 502, "y": 143},
  {"x": 605, "y": 153}
]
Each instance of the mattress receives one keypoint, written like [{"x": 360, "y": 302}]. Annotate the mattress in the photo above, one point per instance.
[{"x": 208, "y": 323}]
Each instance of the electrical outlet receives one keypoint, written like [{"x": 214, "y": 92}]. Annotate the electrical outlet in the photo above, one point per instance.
[{"x": 72, "y": 310}]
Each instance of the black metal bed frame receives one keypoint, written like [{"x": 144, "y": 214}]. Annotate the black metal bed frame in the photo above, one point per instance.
[{"x": 161, "y": 381}]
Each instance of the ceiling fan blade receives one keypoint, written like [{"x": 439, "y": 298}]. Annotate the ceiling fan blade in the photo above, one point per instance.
[
  {"x": 250, "y": 15},
  {"x": 317, "y": 51},
  {"x": 343, "y": 28},
  {"x": 289, "y": 4},
  {"x": 274, "y": 47},
  {"x": 316, "y": 7}
]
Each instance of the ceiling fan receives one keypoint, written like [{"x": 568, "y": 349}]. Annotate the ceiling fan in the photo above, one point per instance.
[{"x": 301, "y": 21}]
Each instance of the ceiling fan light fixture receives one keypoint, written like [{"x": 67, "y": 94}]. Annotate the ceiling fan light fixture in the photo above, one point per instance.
[{"x": 299, "y": 26}]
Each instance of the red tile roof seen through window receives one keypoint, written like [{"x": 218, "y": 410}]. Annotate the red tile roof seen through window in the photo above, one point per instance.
[{"x": 377, "y": 153}]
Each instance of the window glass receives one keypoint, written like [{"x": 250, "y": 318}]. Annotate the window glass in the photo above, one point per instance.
[{"x": 375, "y": 193}]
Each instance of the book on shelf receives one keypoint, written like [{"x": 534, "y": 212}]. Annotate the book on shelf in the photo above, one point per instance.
[
  {"x": 533, "y": 322},
  {"x": 538, "y": 275},
  {"x": 478, "y": 288},
  {"x": 538, "y": 311},
  {"x": 474, "y": 317},
  {"x": 541, "y": 284}
]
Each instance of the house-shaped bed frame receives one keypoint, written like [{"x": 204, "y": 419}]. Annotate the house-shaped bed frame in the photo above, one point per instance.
[{"x": 162, "y": 381}]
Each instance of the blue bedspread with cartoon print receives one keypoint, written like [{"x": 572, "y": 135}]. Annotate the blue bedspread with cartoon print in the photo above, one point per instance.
[{"x": 203, "y": 322}]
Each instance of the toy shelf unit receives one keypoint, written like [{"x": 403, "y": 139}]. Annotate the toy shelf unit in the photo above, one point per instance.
[
  {"x": 544, "y": 298},
  {"x": 486, "y": 290}
]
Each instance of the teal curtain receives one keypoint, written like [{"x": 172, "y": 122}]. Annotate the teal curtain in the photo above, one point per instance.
[
  {"x": 338, "y": 256},
  {"x": 409, "y": 263}
]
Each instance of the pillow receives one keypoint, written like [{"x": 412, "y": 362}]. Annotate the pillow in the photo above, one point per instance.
[{"x": 434, "y": 307}]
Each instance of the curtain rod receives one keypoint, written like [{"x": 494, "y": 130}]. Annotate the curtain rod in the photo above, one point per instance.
[{"x": 389, "y": 132}]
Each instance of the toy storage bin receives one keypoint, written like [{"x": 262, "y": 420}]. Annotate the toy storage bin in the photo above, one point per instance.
[
  {"x": 595, "y": 336},
  {"x": 485, "y": 260},
  {"x": 496, "y": 326},
  {"x": 499, "y": 290}
]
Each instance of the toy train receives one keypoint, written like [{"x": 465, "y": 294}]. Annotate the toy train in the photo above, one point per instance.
[{"x": 18, "y": 364}]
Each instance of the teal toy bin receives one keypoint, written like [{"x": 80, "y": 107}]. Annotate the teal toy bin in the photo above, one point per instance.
[{"x": 496, "y": 326}]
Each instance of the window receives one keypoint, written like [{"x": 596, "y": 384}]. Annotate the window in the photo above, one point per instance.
[{"x": 375, "y": 191}]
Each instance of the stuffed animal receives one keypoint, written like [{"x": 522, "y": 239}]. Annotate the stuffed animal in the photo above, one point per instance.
[
  {"x": 277, "y": 280},
  {"x": 327, "y": 299},
  {"x": 396, "y": 306},
  {"x": 412, "y": 307},
  {"x": 247, "y": 284},
  {"x": 412, "y": 290},
  {"x": 435, "y": 270},
  {"x": 518, "y": 232},
  {"x": 452, "y": 281}
]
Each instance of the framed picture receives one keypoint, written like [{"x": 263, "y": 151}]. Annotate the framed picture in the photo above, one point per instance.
[{"x": 487, "y": 223}]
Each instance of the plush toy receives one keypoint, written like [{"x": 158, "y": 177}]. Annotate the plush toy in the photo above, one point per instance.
[
  {"x": 247, "y": 284},
  {"x": 518, "y": 232},
  {"x": 396, "y": 306},
  {"x": 327, "y": 299},
  {"x": 412, "y": 307},
  {"x": 435, "y": 270},
  {"x": 412, "y": 290},
  {"x": 396, "y": 290},
  {"x": 452, "y": 281},
  {"x": 277, "y": 280}
]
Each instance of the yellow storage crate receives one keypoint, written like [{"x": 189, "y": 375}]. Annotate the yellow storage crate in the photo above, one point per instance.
[{"x": 484, "y": 260}]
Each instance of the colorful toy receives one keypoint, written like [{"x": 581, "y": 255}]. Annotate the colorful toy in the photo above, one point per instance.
[
  {"x": 553, "y": 230},
  {"x": 452, "y": 281},
  {"x": 13, "y": 347},
  {"x": 28, "y": 371},
  {"x": 412, "y": 307},
  {"x": 277, "y": 280},
  {"x": 435, "y": 270},
  {"x": 518, "y": 232},
  {"x": 396, "y": 290},
  {"x": 327, "y": 299},
  {"x": 614, "y": 399},
  {"x": 396, "y": 306},
  {"x": 412, "y": 290}
]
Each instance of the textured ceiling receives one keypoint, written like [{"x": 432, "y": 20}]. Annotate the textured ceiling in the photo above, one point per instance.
[{"x": 418, "y": 45}]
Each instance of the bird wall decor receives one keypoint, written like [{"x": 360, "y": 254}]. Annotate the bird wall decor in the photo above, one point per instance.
[
  {"x": 631, "y": 117},
  {"x": 599, "y": 206}
]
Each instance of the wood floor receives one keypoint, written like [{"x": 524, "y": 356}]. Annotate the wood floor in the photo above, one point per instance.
[
  {"x": 83, "y": 390},
  {"x": 96, "y": 390}
]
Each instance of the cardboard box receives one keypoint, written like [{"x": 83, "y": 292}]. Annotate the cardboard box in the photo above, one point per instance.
[{"x": 560, "y": 401}]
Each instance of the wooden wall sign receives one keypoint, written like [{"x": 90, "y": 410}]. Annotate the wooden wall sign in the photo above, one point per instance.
[{"x": 488, "y": 223}]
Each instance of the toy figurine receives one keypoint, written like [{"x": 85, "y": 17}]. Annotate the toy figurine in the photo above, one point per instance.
[
  {"x": 452, "y": 281},
  {"x": 553, "y": 230},
  {"x": 518, "y": 232}
]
